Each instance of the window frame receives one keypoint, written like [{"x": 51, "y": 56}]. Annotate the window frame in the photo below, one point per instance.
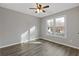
[{"x": 65, "y": 26}]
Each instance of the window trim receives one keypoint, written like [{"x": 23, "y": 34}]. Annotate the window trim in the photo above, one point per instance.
[{"x": 65, "y": 26}]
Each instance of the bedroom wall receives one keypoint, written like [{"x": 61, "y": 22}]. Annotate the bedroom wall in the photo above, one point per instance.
[
  {"x": 17, "y": 28},
  {"x": 72, "y": 28}
]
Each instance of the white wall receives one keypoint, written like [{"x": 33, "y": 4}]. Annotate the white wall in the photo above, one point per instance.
[
  {"x": 72, "y": 24},
  {"x": 14, "y": 24}
]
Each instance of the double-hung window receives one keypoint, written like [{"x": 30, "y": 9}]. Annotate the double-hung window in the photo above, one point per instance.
[{"x": 56, "y": 26}]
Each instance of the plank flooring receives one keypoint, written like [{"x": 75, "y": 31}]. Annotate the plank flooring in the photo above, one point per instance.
[{"x": 39, "y": 48}]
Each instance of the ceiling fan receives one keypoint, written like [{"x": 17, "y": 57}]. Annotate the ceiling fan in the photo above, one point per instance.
[{"x": 40, "y": 8}]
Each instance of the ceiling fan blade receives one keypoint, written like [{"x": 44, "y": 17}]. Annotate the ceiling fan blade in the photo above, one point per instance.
[
  {"x": 32, "y": 8},
  {"x": 37, "y": 5},
  {"x": 46, "y": 6},
  {"x": 43, "y": 11},
  {"x": 40, "y": 6}
]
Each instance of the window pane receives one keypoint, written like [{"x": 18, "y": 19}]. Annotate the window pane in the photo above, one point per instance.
[
  {"x": 50, "y": 25},
  {"x": 59, "y": 29},
  {"x": 50, "y": 22}
]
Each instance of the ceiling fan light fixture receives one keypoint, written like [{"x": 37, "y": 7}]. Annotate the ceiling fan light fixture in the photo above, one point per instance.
[{"x": 40, "y": 8}]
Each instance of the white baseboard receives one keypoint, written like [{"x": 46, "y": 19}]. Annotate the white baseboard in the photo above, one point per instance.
[
  {"x": 15, "y": 44},
  {"x": 62, "y": 43},
  {"x": 43, "y": 39},
  {"x": 10, "y": 45}
]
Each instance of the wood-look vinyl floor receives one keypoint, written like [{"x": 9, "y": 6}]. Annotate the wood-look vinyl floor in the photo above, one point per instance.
[{"x": 44, "y": 48}]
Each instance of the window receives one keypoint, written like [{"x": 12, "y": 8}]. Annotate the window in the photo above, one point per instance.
[
  {"x": 56, "y": 26},
  {"x": 50, "y": 26},
  {"x": 59, "y": 26}
]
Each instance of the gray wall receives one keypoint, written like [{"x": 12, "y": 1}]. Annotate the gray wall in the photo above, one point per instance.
[
  {"x": 72, "y": 28},
  {"x": 16, "y": 27}
]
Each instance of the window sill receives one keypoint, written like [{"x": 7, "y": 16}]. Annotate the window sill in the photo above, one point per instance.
[{"x": 57, "y": 36}]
